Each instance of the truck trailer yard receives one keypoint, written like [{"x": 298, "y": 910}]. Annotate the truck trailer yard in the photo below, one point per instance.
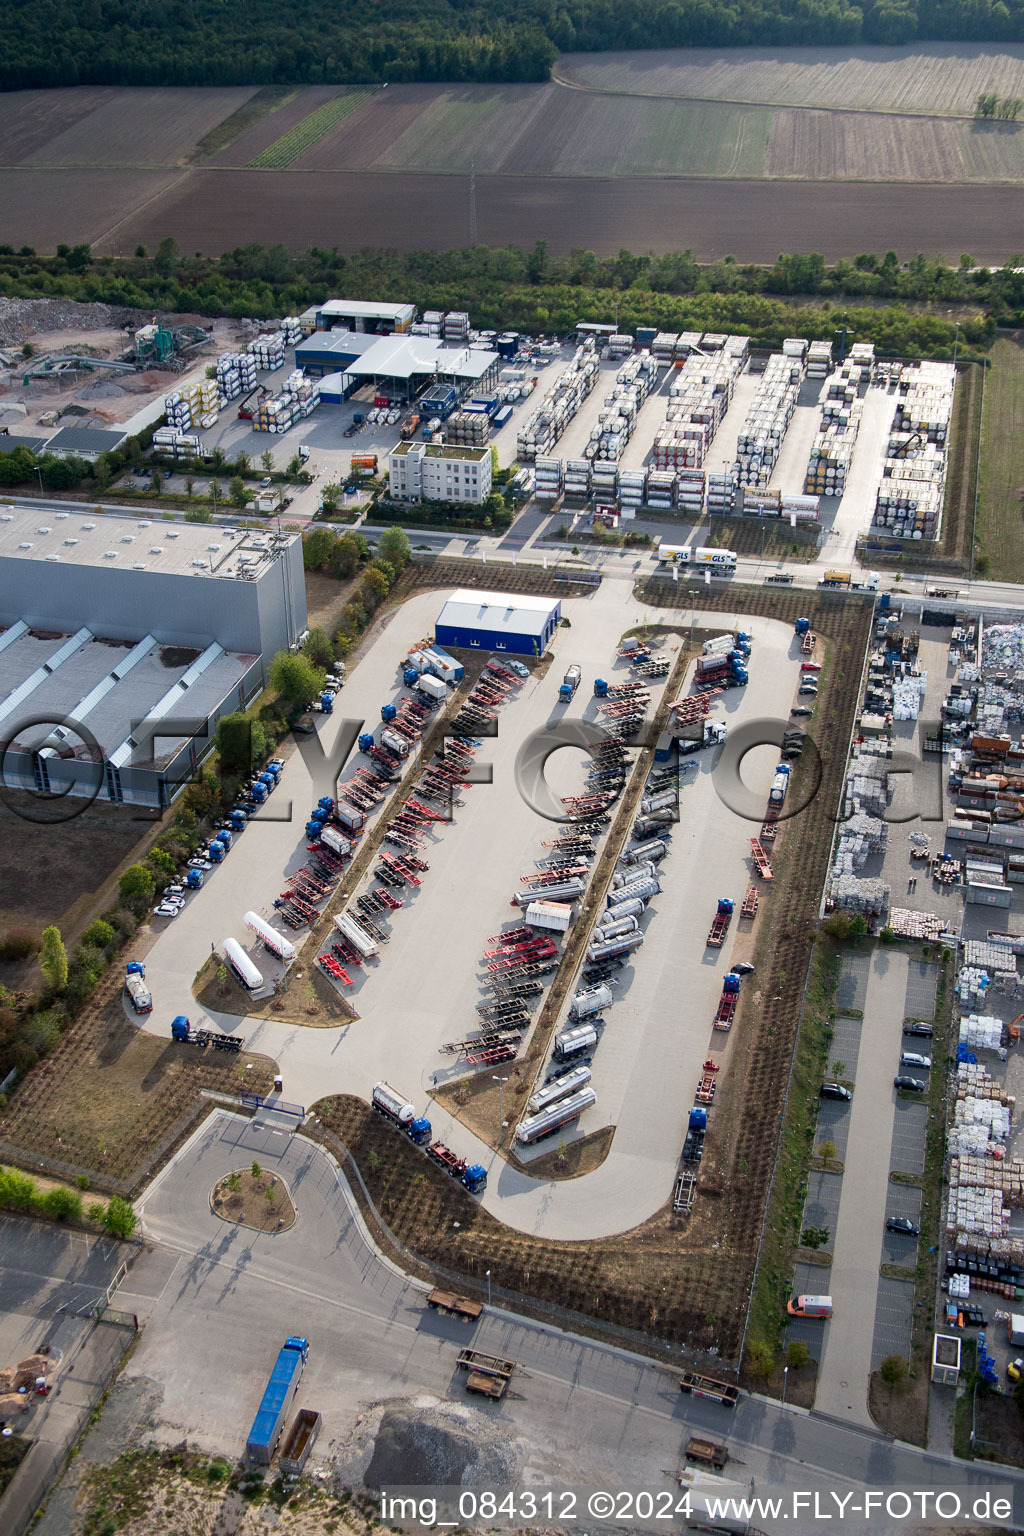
[{"x": 475, "y": 948}]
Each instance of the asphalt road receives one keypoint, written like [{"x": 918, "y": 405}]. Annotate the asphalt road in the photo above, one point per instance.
[{"x": 581, "y": 1414}]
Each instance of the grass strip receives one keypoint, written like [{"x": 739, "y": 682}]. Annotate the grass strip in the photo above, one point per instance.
[
  {"x": 287, "y": 149},
  {"x": 270, "y": 99}
]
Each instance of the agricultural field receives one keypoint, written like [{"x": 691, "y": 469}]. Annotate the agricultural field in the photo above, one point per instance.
[
  {"x": 42, "y": 208},
  {"x": 664, "y": 151},
  {"x": 272, "y": 125},
  {"x": 547, "y": 131},
  {"x": 942, "y": 78},
  {"x": 1001, "y": 503},
  {"x": 752, "y": 220},
  {"x": 285, "y": 150},
  {"x": 126, "y": 127}
]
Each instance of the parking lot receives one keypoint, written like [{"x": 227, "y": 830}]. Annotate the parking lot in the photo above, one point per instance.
[{"x": 424, "y": 989}]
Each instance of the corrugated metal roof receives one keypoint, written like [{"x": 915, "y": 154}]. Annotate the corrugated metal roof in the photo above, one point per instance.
[{"x": 496, "y": 612}]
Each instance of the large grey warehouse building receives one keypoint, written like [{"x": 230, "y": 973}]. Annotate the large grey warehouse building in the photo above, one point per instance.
[{"x": 125, "y": 640}]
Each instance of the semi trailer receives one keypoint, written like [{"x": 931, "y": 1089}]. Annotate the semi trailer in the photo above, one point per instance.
[{"x": 270, "y": 1416}]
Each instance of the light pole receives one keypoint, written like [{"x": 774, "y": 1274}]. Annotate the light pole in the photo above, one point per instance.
[
  {"x": 488, "y": 1287},
  {"x": 501, "y": 1081},
  {"x": 956, "y": 345},
  {"x": 785, "y": 1382},
  {"x": 39, "y": 472}
]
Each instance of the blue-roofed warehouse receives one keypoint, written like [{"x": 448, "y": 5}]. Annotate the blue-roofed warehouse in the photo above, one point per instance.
[{"x": 498, "y": 621}]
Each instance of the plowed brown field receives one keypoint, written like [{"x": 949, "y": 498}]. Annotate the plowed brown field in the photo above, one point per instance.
[
  {"x": 934, "y": 77},
  {"x": 751, "y": 220}
]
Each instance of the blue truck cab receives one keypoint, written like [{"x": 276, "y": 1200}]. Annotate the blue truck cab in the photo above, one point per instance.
[
  {"x": 475, "y": 1178},
  {"x": 419, "y": 1130}
]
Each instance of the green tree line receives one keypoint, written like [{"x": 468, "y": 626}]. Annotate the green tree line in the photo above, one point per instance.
[
  {"x": 237, "y": 42},
  {"x": 536, "y": 292}
]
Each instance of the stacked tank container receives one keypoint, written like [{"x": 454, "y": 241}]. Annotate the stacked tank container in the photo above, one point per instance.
[
  {"x": 236, "y": 375},
  {"x": 268, "y": 351},
  {"x": 661, "y": 489},
  {"x": 862, "y": 361},
  {"x": 175, "y": 444},
  {"x": 819, "y": 360},
  {"x": 832, "y": 450},
  {"x": 549, "y": 479},
  {"x": 291, "y": 330},
  {"x": 470, "y": 429},
  {"x": 620, "y": 346},
  {"x": 691, "y": 491},
  {"x": 193, "y": 405},
  {"x": 910, "y": 494},
  {"x": 299, "y": 398},
  {"x": 558, "y": 407},
  {"x": 632, "y": 489},
  {"x": 578, "y": 479},
  {"x": 721, "y": 494},
  {"x": 605, "y": 481},
  {"x": 663, "y": 346},
  {"x": 771, "y": 411},
  {"x": 698, "y": 399},
  {"x": 456, "y": 326}
]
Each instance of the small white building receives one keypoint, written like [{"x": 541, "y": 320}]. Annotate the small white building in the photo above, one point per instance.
[
  {"x": 946, "y": 1359},
  {"x": 433, "y": 472}
]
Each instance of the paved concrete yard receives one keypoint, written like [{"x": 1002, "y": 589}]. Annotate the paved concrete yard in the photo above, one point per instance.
[
  {"x": 581, "y": 1414},
  {"x": 845, "y": 1364}
]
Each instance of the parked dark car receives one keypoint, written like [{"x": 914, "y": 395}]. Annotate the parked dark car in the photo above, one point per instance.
[
  {"x": 908, "y": 1084},
  {"x": 835, "y": 1091},
  {"x": 903, "y": 1224}
]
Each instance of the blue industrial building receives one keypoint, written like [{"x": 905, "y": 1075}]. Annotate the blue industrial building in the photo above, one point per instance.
[{"x": 498, "y": 621}]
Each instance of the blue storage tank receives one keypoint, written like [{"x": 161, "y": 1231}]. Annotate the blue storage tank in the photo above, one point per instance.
[{"x": 508, "y": 345}]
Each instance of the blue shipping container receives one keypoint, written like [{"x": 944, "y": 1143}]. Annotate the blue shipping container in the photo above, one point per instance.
[
  {"x": 502, "y": 417},
  {"x": 269, "y": 1420}
]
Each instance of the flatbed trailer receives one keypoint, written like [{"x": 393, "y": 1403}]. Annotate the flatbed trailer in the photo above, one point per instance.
[
  {"x": 453, "y": 1305},
  {"x": 708, "y": 1386},
  {"x": 708, "y": 1453},
  {"x": 761, "y": 863},
  {"x": 719, "y": 927},
  {"x": 750, "y": 900},
  {"x": 488, "y": 1374},
  {"x": 708, "y": 1081},
  {"x": 685, "y": 1194},
  {"x": 807, "y": 642},
  {"x": 726, "y": 1008}
]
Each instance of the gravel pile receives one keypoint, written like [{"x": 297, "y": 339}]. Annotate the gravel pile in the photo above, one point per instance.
[
  {"x": 450, "y": 1443},
  {"x": 20, "y": 319}
]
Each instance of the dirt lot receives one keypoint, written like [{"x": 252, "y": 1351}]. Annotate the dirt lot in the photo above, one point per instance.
[
  {"x": 213, "y": 211},
  {"x": 73, "y": 868},
  {"x": 110, "y": 1094},
  {"x": 153, "y": 1493}
]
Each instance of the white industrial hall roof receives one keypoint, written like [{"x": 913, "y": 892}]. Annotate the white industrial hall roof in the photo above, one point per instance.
[
  {"x": 496, "y": 611},
  {"x": 131, "y": 543}
]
